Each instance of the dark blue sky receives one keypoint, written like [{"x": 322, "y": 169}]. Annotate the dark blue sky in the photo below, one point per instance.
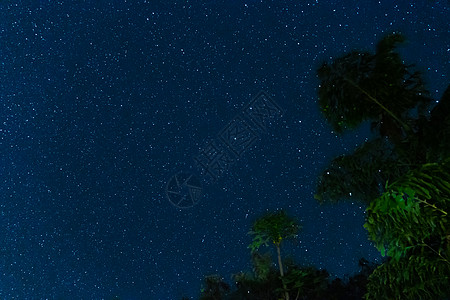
[{"x": 102, "y": 102}]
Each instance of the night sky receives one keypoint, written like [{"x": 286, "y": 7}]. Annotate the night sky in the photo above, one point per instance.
[{"x": 102, "y": 102}]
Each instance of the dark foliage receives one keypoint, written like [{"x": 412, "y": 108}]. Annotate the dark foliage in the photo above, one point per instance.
[
  {"x": 381, "y": 89},
  {"x": 305, "y": 283},
  {"x": 403, "y": 173},
  {"x": 215, "y": 288},
  {"x": 361, "y": 175}
]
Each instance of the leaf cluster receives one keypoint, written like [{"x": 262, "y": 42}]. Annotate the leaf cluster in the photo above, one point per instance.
[
  {"x": 361, "y": 86},
  {"x": 410, "y": 224},
  {"x": 408, "y": 219},
  {"x": 361, "y": 175},
  {"x": 410, "y": 278},
  {"x": 380, "y": 88},
  {"x": 413, "y": 211},
  {"x": 273, "y": 227},
  {"x": 308, "y": 282}
]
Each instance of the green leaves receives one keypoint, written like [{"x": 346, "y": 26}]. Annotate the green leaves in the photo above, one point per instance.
[
  {"x": 273, "y": 227},
  {"x": 413, "y": 209},
  {"x": 409, "y": 223},
  {"x": 258, "y": 240}
]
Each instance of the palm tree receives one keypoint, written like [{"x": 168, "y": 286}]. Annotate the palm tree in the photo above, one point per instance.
[{"x": 274, "y": 227}]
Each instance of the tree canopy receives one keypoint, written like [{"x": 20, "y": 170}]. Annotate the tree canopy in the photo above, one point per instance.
[
  {"x": 402, "y": 173},
  {"x": 383, "y": 90},
  {"x": 273, "y": 227}
]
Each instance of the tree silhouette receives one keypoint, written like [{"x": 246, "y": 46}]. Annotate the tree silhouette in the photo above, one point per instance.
[
  {"x": 303, "y": 282},
  {"x": 361, "y": 175},
  {"x": 364, "y": 87},
  {"x": 436, "y": 133},
  {"x": 403, "y": 174},
  {"x": 215, "y": 288},
  {"x": 264, "y": 281},
  {"x": 379, "y": 88},
  {"x": 274, "y": 227}
]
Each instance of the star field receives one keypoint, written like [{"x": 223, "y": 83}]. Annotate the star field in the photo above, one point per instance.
[{"x": 103, "y": 102}]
